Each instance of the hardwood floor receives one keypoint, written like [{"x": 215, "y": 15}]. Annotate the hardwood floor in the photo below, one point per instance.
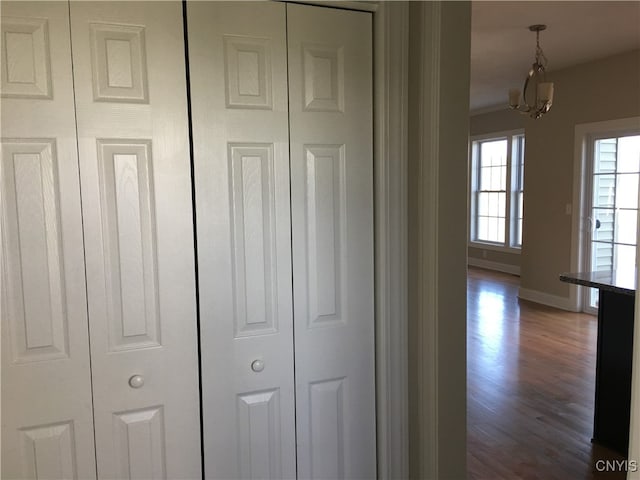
[{"x": 530, "y": 386}]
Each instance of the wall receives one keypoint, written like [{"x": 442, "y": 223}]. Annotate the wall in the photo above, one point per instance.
[
  {"x": 439, "y": 49},
  {"x": 603, "y": 90}
]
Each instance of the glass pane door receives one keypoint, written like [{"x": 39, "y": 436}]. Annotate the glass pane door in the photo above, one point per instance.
[{"x": 614, "y": 209}]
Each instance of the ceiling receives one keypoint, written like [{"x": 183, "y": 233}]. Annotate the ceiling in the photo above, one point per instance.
[{"x": 503, "y": 48}]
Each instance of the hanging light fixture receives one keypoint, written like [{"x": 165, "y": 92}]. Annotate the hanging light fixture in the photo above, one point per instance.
[{"x": 537, "y": 93}]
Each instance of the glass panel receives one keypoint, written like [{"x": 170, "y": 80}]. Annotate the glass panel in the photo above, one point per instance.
[
  {"x": 593, "y": 297},
  {"x": 483, "y": 228},
  {"x": 494, "y": 207},
  {"x": 605, "y": 155},
  {"x": 629, "y": 154},
  {"x": 493, "y": 229},
  {"x": 496, "y": 178},
  {"x": 502, "y": 205},
  {"x": 603, "y": 224},
  {"x": 625, "y": 257},
  {"x": 485, "y": 178},
  {"x": 627, "y": 190},
  {"x": 501, "y": 231},
  {"x": 483, "y": 204},
  {"x": 493, "y": 152},
  {"x": 626, "y": 226},
  {"x": 604, "y": 190},
  {"x": 601, "y": 256}
]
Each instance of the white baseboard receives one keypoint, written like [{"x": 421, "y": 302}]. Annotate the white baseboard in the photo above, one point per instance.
[
  {"x": 489, "y": 265},
  {"x": 563, "y": 303}
]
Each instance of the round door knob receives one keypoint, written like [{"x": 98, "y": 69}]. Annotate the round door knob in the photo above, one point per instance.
[
  {"x": 136, "y": 381},
  {"x": 257, "y": 365}
]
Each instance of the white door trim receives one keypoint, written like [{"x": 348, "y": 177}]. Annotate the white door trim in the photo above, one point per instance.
[
  {"x": 358, "y": 5},
  {"x": 391, "y": 47},
  {"x": 438, "y": 152},
  {"x": 426, "y": 301},
  {"x": 391, "y": 71}
]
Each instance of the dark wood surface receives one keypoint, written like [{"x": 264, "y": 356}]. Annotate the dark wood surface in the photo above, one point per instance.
[
  {"x": 530, "y": 387},
  {"x": 613, "y": 370}
]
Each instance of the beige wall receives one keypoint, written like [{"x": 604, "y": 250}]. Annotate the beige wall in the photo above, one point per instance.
[
  {"x": 607, "y": 89},
  {"x": 498, "y": 121},
  {"x": 509, "y": 261},
  {"x": 604, "y": 90}
]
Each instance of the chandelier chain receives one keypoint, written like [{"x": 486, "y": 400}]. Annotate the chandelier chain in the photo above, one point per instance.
[{"x": 539, "y": 53}]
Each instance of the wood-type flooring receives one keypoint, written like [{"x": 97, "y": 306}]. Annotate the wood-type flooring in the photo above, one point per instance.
[{"x": 530, "y": 387}]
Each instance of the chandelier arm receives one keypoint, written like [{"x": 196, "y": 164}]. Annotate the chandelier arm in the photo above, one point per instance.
[{"x": 524, "y": 90}]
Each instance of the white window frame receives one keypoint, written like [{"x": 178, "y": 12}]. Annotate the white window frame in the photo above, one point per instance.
[{"x": 512, "y": 188}]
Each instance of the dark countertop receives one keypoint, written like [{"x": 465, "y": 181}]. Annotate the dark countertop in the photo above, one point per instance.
[{"x": 619, "y": 281}]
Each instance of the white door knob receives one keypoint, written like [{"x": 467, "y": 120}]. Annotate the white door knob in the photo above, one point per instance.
[
  {"x": 257, "y": 365},
  {"x": 136, "y": 381}
]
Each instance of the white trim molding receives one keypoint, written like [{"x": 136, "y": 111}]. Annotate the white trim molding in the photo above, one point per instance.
[
  {"x": 563, "y": 303},
  {"x": 497, "y": 266},
  {"x": 362, "y": 6},
  {"x": 391, "y": 45},
  {"x": 439, "y": 41}
]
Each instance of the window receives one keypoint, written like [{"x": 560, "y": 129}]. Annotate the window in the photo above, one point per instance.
[{"x": 497, "y": 175}]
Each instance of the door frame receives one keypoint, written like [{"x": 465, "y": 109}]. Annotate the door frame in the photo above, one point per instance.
[
  {"x": 390, "y": 139},
  {"x": 583, "y": 133},
  {"x": 390, "y": 152},
  {"x": 444, "y": 31}
]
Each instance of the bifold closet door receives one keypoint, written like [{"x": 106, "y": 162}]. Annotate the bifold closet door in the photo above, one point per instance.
[
  {"x": 133, "y": 143},
  {"x": 238, "y": 71},
  {"x": 47, "y": 422},
  {"x": 331, "y": 129},
  {"x": 251, "y": 107}
]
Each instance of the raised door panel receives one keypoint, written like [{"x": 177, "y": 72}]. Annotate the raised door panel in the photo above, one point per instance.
[
  {"x": 139, "y": 436},
  {"x": 238, "y": 80},
  {"x": 330, "y": 95},
  {"x": 47, "y": 421},
  {"x": 135, "y": 175}
]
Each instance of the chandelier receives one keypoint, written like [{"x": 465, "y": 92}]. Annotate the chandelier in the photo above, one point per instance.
[{"x": 537, "y": 93}]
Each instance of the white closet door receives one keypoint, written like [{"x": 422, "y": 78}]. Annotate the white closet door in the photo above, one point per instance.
[
  {"x": 47, "y": 423},
  {"x": 332, "y": 215},
  {"x": 136, "y": 197},
  {"x": 237, "y": 56}
]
